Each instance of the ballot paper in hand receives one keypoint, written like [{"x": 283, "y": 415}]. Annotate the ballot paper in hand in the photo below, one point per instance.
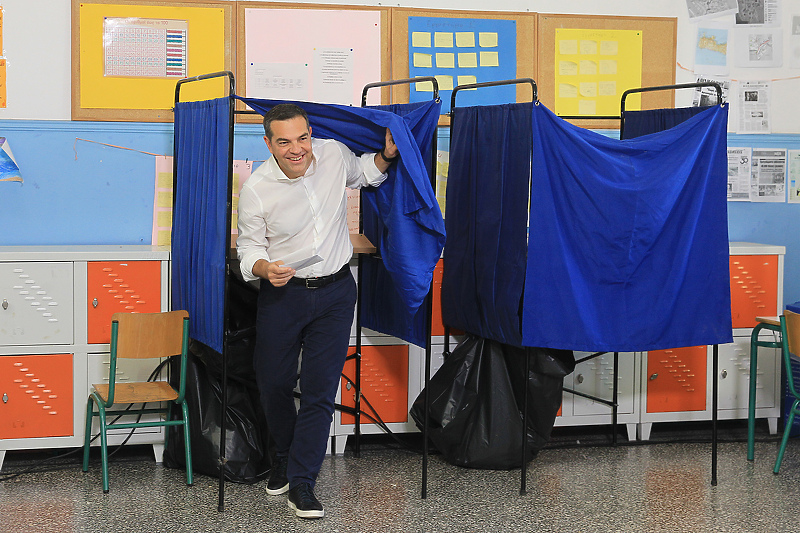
[{"x": 300, "y": 259}]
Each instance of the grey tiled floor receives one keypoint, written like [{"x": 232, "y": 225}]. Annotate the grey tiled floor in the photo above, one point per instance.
[{"x": 643, "y": 487}]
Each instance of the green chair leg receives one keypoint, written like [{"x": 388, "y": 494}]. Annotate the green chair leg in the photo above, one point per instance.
[
  {"x": 187, "y": 443},
  {"x": 103, "y": 447},
  {"x": 167, "y": 428},
  {"x": 87, "y": 439},
  {"x": 787, "y": 429}
]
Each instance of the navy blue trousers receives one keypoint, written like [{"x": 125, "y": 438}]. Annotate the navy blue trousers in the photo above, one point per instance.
[{"x": 318, "y": 321}]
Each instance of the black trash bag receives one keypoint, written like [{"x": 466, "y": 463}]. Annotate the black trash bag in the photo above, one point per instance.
[
  {"x": 247, "y": 442},
  {"x": 475, "y": 417}
]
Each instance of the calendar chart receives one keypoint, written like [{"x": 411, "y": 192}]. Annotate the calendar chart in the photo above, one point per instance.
[{"x": 147, "y": 48}]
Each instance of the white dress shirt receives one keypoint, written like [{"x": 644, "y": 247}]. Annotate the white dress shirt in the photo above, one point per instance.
[{"x": 281, "y": 217}]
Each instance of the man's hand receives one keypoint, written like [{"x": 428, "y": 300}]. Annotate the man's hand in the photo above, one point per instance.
[
  {"x": 277, "y": 274},
  {"x": 389, "y": 153}
]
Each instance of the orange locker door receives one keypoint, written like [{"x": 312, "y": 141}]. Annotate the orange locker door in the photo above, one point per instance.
[
  {"x": 37, "y": 396},
  {"x": 113, "y": 287},
  {"x": 437, "y": 325},
  {"x": 754, "y": 288},
  {"x": 384, "y": 383},
  {"x": 676, "y": 380}
]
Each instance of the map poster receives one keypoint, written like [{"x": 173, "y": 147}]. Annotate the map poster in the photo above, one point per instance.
[
  {"x": 758, "y": 46},
  {"x": 711, "y": 50}
]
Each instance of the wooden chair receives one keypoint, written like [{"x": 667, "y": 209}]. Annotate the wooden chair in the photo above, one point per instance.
[
  {"x": 142, "y": 336},
  {"x": 790, "y": 341}
]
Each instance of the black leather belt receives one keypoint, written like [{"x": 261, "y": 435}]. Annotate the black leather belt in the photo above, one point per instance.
[{"x": 316, "y": 283}]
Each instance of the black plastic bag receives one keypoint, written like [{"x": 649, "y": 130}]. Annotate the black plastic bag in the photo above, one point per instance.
[
  {"x": 247, "y": 442},
  {"x": 476, "y": 398}
]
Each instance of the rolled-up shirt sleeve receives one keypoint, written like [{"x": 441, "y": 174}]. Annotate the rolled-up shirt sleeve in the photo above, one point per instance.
[{"x": 251, "y": 245}]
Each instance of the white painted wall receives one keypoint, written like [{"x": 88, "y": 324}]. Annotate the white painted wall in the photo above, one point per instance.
[{"x": 36, "y": 44}]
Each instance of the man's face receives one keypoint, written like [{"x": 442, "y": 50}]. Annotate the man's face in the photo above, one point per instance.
[{"x": 291, "y": 145}]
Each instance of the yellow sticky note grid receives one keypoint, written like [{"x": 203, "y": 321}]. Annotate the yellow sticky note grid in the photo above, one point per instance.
[
  {"x": 588, "y": 68},
  {"x": 443, "y": 39},
  {"x": 465, "y": 39},
  {"x": 445, "y": 60},
  {"x": 423, "y": 60},
  {"x": 568, "y": 47},
  {"x": 421, "y": 39},
  {"x": 588, "y": 47},
  {"x": 489, "y": 59},
  {"x": 588, "y": 89},
  {"x": 164, "y": 219},
  {"x": 607, "y": 88},
  {"x": 164, "y": 199},
  {"x": 567, "y": 90},
  {"x": 164, "y": 180},
  {"x": 468, "y": 60},
  {"x": 609, "y": 48},
  {"x": 466, "y": 80},
  {"x": 487, "y": 39},
  {"x": 567, "y": 68},
  {"x": 445, "y": 82},
  {"x": 608, "y": 66}
]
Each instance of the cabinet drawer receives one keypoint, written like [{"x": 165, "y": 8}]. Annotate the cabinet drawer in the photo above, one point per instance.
[
  {"x": 754, "y": 288},
  {"x": 36, "y": 303},
  {"x": 119, "y": 287},
  {"x": 37, "y": 396},
  {"x": 676, "y": 379},
  {"x": 384, "y": 383}
]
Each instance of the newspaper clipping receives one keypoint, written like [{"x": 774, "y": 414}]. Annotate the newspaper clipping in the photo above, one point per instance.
[
  {"x": 754, "y": 97},
  {"x": 739, "y": 174},
  {"x": 768, "y": 173},
  {"x": 705, "y": 96}
]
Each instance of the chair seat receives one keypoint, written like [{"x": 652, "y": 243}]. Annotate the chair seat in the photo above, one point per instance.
[
  {"x": 770, "y": 320},
  {"x": 139, "y": 392}
]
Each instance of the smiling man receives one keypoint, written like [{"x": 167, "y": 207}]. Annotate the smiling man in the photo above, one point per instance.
[{"x": 294, "y": 208}]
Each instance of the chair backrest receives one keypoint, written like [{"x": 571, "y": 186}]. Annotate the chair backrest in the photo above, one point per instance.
[
  {"x": 145, "y": 335},
  {"x": 793, "y": 331}
]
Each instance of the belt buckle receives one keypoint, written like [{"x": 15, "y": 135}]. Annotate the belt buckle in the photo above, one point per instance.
[{"x": 311, "y": 283}]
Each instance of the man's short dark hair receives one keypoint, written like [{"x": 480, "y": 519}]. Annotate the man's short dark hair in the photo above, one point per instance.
[{"x": 282, "y": 112}]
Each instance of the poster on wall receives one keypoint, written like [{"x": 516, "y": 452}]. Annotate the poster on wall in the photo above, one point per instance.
[
  {"x": 759, "y": 47},
  {"x": 461, "y": 51},
  {"x": 700, "y": 9},
  {"x": 794, "y": 43},
  {"x": 711, "y": 50},
  {"x": 794, "y": 176},
  {"x": 768, "y": 175},
  {"x": 594, "y": 67},
  {"x": 758, "y": 12},
  {"x": 754, "y": 102},
  {"x": 739, "y": 174}
]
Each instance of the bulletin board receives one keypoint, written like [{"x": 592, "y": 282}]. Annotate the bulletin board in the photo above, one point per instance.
[
  {"x": 463, "y": 47},
  {"x": 128, "y": 55},
  {"x": 600, "y": 54},
  {"x": 309, "y": 52}
]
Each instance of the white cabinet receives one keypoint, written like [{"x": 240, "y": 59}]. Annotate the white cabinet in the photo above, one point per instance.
[{"x": 56, "y": 304}]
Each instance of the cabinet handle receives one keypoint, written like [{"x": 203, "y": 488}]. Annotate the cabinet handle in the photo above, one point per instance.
[
  {"x": 653, "y": 376},
  {"x": 94, "y": 302},
  {"x": 5, "y": 304},
  {"x": 5, "y": 397},
  {"x": 724, "y": 374},
  {"x": 579, "y": 378}
]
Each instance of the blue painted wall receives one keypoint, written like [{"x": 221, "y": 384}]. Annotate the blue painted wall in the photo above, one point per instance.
[{"x": 77, "y": 192}]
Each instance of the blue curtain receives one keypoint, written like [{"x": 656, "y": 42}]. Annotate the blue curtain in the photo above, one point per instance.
[
  {"x": 413, "y": 234},
  {"x": 628, "y": 247},
  {"x": 382, "y": 307},
  {"x": 487, "y": 202},
  {"x": 200, "y": 216},
  {"x": 638, "y": 123}
]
